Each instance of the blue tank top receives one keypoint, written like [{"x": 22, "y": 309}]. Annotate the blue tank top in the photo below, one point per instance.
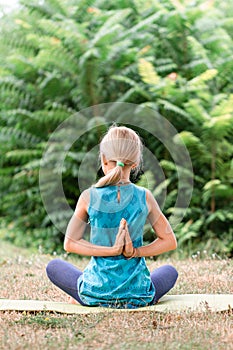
[{"x": 116, "y": 281}]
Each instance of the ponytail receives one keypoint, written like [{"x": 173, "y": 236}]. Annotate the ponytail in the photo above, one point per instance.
[{"x": 112, "y": 177}]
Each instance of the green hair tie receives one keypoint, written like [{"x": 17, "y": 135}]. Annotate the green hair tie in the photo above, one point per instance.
[{"x": 120, "y": 164}]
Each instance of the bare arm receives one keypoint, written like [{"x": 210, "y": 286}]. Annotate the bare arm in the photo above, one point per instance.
[
  {"x": 74, "y": 242},
  {"x": 165, "y": 238}
]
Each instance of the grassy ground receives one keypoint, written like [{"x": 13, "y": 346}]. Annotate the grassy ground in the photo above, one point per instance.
[{"x": 23, "y": 277}]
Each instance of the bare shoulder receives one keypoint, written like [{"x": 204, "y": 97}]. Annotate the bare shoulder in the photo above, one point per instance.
[
  {"x": 154, "y": 211},
  {"x": 151, "y": 201},
  {"x": 82, "y": 204},
  {"x": 85, "y": 196}
]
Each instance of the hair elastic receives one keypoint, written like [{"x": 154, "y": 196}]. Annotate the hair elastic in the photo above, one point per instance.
[{"x": 120, "y": 163}]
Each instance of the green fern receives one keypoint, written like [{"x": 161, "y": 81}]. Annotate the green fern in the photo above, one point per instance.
[
  {"x": 58, "y": 57},
  {"x": 23, "y": 155},
  {"x": 219, "y": 189},
  {"x": 36, "y": 8},
  {"x": 225, "y": 107},
  {"x": 58, "y": 6},
  {"x": 197, "y": 111},
  {"x": 201, "y": 79},
  {"x": 143, "y": 24},
  {"x": 189, "y": 231},
  {"x": 171, "y": 107},
  {"x": 20, "y": 135},
  {"x": 148, "y": 73},
  {"x": 197, "y": 48},
  {"x": 220, "y": 215},
  {"x": 219, "y": 127},
  {"x": 110, "y": 27}
]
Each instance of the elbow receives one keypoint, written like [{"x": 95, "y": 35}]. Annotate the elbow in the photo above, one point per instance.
[
  {"x": 171, "y": 243},
  {"x": 174, "y": 244},
  {"x": 67, "y": 246}
]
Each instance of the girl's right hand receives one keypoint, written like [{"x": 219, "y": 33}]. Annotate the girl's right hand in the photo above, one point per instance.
[
  {"x": 120, "y": 238},
  {"x": 128, "y": 246}
]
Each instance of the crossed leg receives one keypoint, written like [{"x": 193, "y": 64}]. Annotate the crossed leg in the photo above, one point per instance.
[
  {"x": 65, "y": 275},
  {"x": 164, "y": 279}
]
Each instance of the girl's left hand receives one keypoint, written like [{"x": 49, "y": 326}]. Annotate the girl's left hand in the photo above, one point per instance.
[
  {"x": 120, "y": 238},
  {"x": 128, "y": 247}
]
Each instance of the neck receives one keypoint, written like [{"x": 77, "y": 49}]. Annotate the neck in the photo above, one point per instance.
[{"x": 123, "y": 181}]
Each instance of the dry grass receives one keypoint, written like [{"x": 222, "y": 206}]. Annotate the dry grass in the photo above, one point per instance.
[{"x": 23, "y": 276}]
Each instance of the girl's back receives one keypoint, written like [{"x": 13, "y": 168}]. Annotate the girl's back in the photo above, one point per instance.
[{"x": 109, "y": 279}]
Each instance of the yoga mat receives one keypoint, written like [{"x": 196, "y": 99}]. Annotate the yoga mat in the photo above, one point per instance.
[{"x": 168, "y": 303}]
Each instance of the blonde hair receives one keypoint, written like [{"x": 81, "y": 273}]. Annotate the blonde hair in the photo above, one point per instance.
[{"x": 120, "y": 144}]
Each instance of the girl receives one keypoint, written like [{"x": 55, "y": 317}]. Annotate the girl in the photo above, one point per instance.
[{"x": 117, "y": 274}]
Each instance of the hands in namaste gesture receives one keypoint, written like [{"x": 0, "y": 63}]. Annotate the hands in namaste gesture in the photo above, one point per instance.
[{"x": 123, "y": 241}]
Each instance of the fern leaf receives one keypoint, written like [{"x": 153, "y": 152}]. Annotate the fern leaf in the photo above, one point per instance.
[
  {"x": 13, "y": 93},
  {"x": 225, "y": 107},
  {"x": 10, "y": 116},
  {"x": 167, "y": 165},
  {"x": 50, "y": 117},
  {"x": 187, "y": 232},
  {"x": 147, "y": 72},
  {"x": 68, "y": 32},
  {"x": 136, "y": 88},
  {"x": 11, "y": 82},
  {"x": 147, "y": 180},
  {"x": 127, "y": 95},
  {"x": 219, "y": 127},
  {"x": 124, "y": 79},
  {"x": 56, "y": 58},
  {"x": 201, "y": 79},
  {"x": 171, "y": 107},
  {"x": 160, "y": 188},
  {"x": 143, "y": 24},
  {"x": 197, "y": 111},
  {"x": 105, "y": 37},
  {"x": 189, "y": 139},
  {"x": 21, "y": 155},
  {"x": 111, "y": 27},
  {"x": 23, "y": 67},
  {"x": 15, "y": 41},
  {"x": 198, "y": 64},
  {"x": 166, "y": 67},
  {"x": 142, "y": 5},
  {"x": 218, "y": 189},
  {"x": 41, "y": 8},
  {"x": 197, "y": 149},
  {"x": 197, "y": 48},
  {"x": 58, "y": 7},
  {"x": 19, "y": 134},
  {"x": 220, "y": 215}
]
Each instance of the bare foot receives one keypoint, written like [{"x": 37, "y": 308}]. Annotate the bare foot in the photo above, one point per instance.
[{"x": 72, "y": 301}]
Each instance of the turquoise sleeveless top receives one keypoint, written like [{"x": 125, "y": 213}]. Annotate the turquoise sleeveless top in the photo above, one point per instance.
[{"x": 116, "y": 281}]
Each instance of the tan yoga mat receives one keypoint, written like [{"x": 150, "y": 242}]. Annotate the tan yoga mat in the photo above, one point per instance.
[{"x": 168, "y": 303}]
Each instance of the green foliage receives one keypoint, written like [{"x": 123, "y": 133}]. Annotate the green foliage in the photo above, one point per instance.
[{"x": 58, "y": 57}]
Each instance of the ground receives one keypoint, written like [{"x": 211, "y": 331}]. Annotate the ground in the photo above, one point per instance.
[{"x": 23, "y": 277}]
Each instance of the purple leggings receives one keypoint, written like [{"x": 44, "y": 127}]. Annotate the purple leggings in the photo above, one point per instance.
[{"x": 64, "y": 275}]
